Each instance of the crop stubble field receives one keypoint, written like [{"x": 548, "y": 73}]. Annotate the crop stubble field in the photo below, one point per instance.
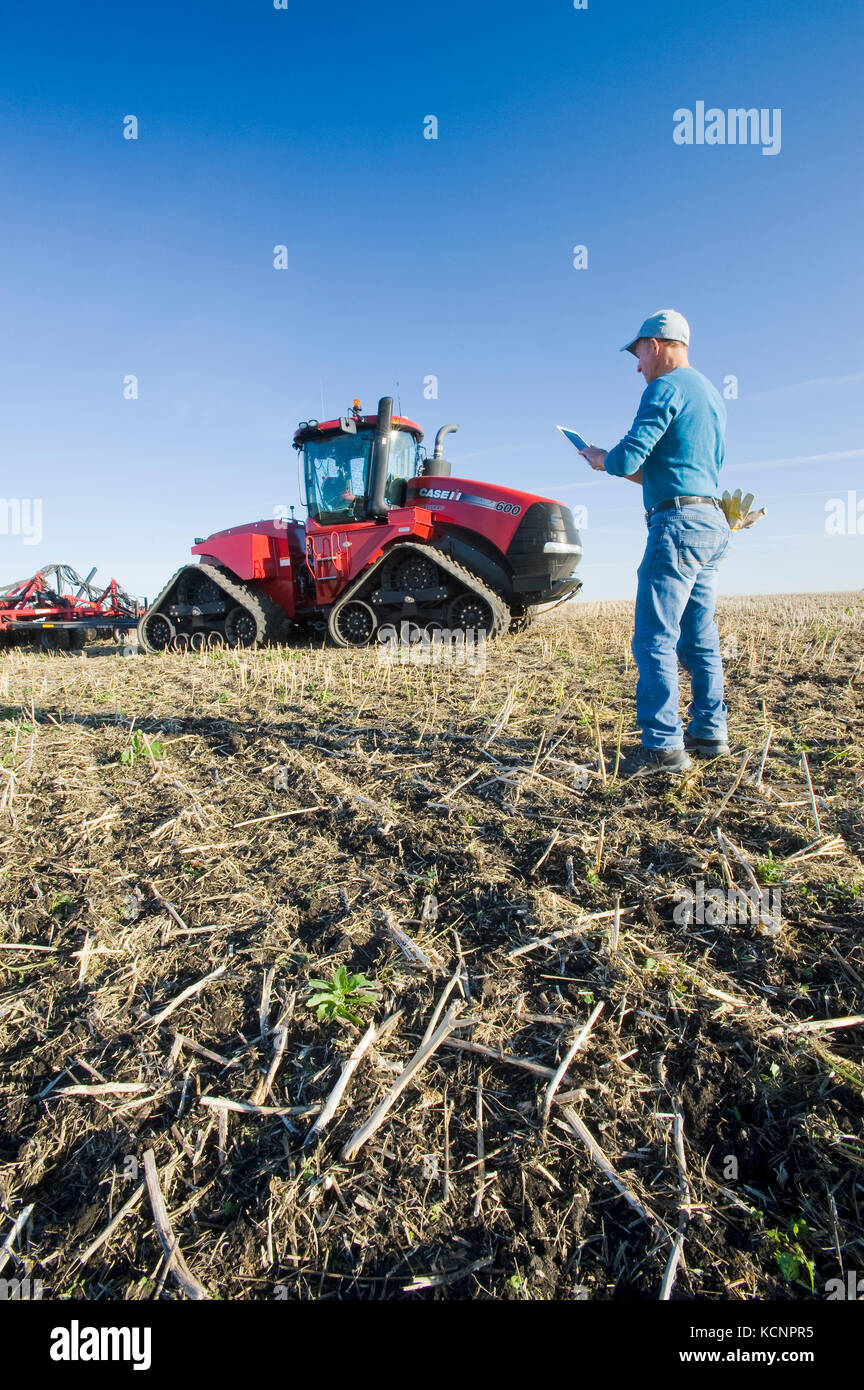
[{"x": 188, "y": 840}]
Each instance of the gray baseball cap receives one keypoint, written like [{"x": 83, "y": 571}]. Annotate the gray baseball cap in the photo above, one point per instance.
[{"x": 666, "y": 323}]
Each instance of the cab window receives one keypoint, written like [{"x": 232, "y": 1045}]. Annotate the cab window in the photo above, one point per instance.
[
  {"x": 337, "y": 476},
  {"x": 404, "y": 458}
]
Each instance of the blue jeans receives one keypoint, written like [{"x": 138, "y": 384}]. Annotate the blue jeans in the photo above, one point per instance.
[{"x": 675, "y": 604}]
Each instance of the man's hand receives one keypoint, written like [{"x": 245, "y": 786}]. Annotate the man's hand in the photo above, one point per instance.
[{"x": 595, "y": 457}]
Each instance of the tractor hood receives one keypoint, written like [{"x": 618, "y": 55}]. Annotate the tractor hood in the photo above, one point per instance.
[
  {"x": 476, "y": 506},
  {"x": 536, "y": 535}
]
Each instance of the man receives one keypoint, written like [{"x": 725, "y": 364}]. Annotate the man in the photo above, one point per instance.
[
  {"x": 337, "y": 493},
  {"x": 675, "y": 449}
]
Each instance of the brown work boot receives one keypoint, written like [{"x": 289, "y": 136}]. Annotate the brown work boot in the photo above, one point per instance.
[
  {"x": 647, "y": 762},
  {"x": 706, "y": 747}
]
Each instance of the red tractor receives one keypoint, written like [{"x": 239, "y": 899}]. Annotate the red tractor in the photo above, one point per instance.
[{"x": 391, "y": 538}]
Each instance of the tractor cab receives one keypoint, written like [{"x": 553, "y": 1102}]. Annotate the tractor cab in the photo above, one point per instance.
[{"x": 356, "y": 468}]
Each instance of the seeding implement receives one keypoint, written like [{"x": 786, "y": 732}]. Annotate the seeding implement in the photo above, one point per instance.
[
  {"x": 391, "y": 539},
  {"x": 57, "y": 608}
]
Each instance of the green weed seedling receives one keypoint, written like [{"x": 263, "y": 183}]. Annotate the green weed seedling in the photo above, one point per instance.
[
  {"x": 769, "y": 870},
  {"x": 794, "y": 1266},
  {"x": 772, "y": 1076},
  {"x": 141, "y": 747},
  {"x": 842, "y": 894},
  {"x": 339, "y": 997}
]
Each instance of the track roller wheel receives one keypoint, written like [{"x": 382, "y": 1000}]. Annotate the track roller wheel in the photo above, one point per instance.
[
  {"x": 195, "y": 586},
  {"x": 353, "y": 625},
  {"x": 156, "y": 632},
  {"x": 470, "y": 611},
  {"x": 410, "y": 572},
  {"x": 241, "y": 629}
]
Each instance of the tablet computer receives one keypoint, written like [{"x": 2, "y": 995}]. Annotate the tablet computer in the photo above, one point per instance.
[{"x": 575, "y": 439}]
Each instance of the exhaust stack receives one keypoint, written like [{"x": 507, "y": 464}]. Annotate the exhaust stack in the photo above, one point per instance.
[
  {"x": 438, "y": 466},
  {"x": 381, "y": 457}
]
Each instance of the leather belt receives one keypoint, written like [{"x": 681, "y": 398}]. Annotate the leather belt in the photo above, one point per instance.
[{"x": 677, "y": 502}]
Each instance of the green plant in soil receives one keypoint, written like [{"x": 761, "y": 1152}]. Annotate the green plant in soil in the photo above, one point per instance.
[
  {"x": 341, "y": 996},
  {"x": 141, "y": 747},
  {"x": 792, "y": 1262},
  {"x": 769, "y": 870}
]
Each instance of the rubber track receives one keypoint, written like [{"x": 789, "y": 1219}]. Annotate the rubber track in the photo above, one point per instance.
[
  {"x": 500, "y": 611},
  {"x": 270, "y": 620}
]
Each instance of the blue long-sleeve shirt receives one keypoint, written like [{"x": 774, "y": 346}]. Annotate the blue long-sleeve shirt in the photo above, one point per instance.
[{"x": 676, "y": 438}]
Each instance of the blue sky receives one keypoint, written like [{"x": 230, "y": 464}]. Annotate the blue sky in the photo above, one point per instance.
[{"x": 410, "y": 257}]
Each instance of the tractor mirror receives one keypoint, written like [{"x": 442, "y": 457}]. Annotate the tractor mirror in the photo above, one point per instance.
[{"x": 347, "y": 424}]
